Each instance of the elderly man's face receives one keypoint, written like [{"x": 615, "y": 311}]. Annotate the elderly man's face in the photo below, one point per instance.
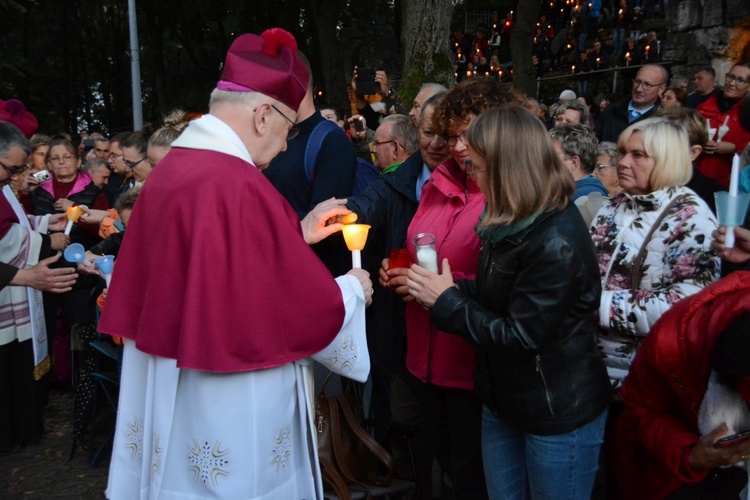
[
  {"x": 383, "y": 147},
  {"x": 648, "y": 85},
  {"x": 432, "y": 146},
  {"x": 100, "y": 175},
  {"x": 419, "y": 100},
  {"x": 279, "y": 120}
]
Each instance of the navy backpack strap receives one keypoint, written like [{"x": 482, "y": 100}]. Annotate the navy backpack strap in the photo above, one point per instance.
[{"x": 314, "y": 143}]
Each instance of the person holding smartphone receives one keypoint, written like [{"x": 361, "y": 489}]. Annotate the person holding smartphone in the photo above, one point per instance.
[{"x": 686, "y": 398}]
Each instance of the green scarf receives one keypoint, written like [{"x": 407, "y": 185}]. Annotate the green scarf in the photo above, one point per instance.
[
  {"x": 495, "y": 234},
  {"x": 392, "y": 168}
]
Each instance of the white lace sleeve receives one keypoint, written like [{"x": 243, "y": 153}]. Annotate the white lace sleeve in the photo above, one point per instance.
[{"x": 348, "y": 354}]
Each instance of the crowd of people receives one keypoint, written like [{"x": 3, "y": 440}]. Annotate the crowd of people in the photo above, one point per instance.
[{"x": 573, "y": 327}]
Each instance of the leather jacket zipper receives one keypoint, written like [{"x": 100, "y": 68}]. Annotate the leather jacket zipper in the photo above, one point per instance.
[{"x": 544, "y": 381}]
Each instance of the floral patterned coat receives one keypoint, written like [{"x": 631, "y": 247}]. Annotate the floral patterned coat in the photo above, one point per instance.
[{"x": 677, "y": 262}]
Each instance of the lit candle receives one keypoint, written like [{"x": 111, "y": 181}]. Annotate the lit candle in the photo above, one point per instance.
[
  {"x": 73, "y": 213},
  {"x": 355, "y": 236},
  {"x": 647, "y": 49},
  {"x": 573, "y": 69},
  {"x": 627, "y": 59}
]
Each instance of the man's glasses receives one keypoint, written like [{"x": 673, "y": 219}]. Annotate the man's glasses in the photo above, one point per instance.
[
  {"x": 15, "y": 170},
  {"x": 132, "y": 165},
  {"x": 376, "y": 143},
  {"x": 602, "y": 166},
  {"x": 294, "y": 131},
  {"x": 731, "y": 78},
  {"x": 646, "y": 85}
]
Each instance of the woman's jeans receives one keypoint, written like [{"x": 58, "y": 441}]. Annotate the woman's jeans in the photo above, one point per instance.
[{"x": 518, "y": 465}]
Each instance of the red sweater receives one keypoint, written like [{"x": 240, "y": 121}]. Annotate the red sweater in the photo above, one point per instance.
[{"x": 719, "y": 166}]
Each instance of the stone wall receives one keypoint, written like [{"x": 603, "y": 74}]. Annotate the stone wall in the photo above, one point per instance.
[{"x": 701, "y": 32}]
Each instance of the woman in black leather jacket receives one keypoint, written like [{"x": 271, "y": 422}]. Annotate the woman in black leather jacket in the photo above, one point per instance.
[{"x": 530, "y": 315}]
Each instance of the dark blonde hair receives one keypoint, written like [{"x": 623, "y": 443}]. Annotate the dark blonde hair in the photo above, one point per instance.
[
  {"x": 471, "y": 97},
  {"x": 689, "y": 118},
  {"x": 524, "y": 176},
  {"x": 174, "y": 125}
]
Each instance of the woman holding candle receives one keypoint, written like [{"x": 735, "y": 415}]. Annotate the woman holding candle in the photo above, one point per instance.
[
  {"x": 68, "y": 186},
  {"x": 652, "y": 241},
  {"x": 529, "y": 314},
  {"x": 730, "y": 137},
  {"x": 449, "y": 208}
]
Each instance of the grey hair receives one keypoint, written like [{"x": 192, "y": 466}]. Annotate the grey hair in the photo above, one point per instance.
[
  {"x": 435, "y": 87},
  {"x": 12, "y": 137},
  {"x": 219, "y": 97},
  {"x": 94, "y": 163},
  {"x": 403, "y": 132},
  {"x": 676, "y": 80},
  {"x": 577, "y": 140},
  {"x": 430, "y": 102},
  {"x": 609, "y": 149},
  {"x": 575, "y": 106}
]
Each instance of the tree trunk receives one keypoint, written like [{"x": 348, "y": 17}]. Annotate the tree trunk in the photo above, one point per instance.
[
  {"x": 327, "y": 52},
  {"x": 521, "y": 44},
  {"x": 425, "y": 25}
]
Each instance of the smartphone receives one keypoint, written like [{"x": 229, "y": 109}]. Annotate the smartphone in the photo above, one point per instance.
[
  {"x": 366, "y": 81},
  {"x": 359, "y": 125},
  {"x": 732, "y": 440}
]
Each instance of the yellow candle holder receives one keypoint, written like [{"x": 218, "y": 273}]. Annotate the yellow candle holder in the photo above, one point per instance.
[{"x": 355, "y": 236}]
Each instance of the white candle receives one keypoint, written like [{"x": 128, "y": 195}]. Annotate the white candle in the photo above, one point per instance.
[
  {"x": 68, "y": 227},
  {"x": 734, "y": 182},
  {"x": 356, "y": 259},
  {"x": 734, "y": 177},
  {"x": 427, "y": 258}
]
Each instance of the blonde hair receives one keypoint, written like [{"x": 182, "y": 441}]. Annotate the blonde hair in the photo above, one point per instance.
[
  {"x": 525, "y": 176},
  {"x": 667, "y": 143},
  {"x": 174, "y": 125}
]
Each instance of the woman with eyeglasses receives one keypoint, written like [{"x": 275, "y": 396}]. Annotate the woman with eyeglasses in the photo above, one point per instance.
[
  {"x": 727, "y": 136},
  {"x": 529, "y": 313},
  {"x": 68, "y": 186},
  {"x": 442, "y": 364},
  {"x": 135, "y": 155},
  {"x": 606, "y": 168}
]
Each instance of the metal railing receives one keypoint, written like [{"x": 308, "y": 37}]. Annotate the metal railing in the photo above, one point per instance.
[{"x": 616, "y": 70}]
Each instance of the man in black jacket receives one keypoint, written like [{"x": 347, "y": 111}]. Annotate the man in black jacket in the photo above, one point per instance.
[
  {"x": 649, "y": 85},
  {"x": 388, "y": 205}
]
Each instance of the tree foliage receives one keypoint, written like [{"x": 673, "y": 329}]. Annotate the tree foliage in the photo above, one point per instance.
[{"x": 69, "y": 60}]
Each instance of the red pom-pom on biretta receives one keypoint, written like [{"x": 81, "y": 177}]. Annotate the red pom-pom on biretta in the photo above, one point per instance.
[
  {"x": 275, "y": 39},
  {"x": 263, "y": 64}
]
